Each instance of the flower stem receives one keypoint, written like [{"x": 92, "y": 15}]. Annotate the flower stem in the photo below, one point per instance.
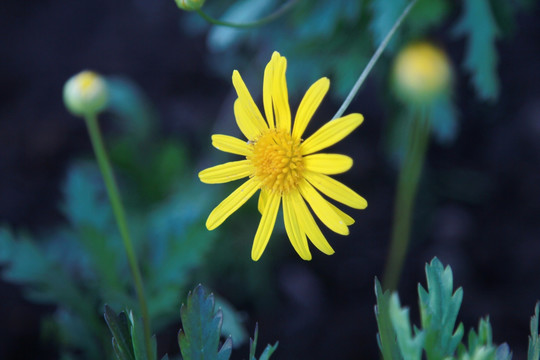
[
  {"x": 407, "y": 187},
  {"x": 273, "y": 16},
  {"x": 119, "y": 214},
  {"x": 372, "y": 61}
]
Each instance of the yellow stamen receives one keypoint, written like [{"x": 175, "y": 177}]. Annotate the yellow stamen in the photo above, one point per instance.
[{"x": 277, "y": 161}]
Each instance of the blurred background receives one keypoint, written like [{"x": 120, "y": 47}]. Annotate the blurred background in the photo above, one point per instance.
[{"x": 477, "y": 209}]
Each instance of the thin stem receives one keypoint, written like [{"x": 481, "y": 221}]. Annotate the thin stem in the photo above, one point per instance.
[
  {"x": 273, "y": 16},
  {"x": 119, "y": 214},
  {"x": 372, "y": 61},
  {"x": 405, "y": 195}
]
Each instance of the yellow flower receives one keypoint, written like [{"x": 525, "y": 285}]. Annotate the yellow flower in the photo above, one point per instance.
[
  {"x": 283, "y": 166},
  {"x": 421, "y": 72}
]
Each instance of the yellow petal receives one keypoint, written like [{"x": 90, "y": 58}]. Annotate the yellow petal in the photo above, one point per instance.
[
  {"x": 335, "y": 190},
  {"x": 292, "y": 227},
  {"x": 231, "y": 145},
  {"x": 308, "y": 224},
  {"x": 280, "y": 95},
  {"x": 267, "y": 90},
  {"x": 263, "y": 198},
  {"x": 248, "y": 117},
  {"x": 346, "y": 218},
  {"x": 322, "y": 209},
  {"x": 245, "y": 122},
  {"x": 266, "y": 226},
  {"x": 223, "y": 173},
  {"x": 309, "y": 104},
  {"x": 331, "y": 132},
  {"x": 231, "y": 203},
  {"x": 328, "y": 163}
]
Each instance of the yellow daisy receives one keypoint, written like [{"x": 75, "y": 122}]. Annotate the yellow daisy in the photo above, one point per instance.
[{"x": 283, "y": 165}]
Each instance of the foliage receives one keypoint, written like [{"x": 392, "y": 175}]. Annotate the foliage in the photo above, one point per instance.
[
  {"x": 81, "y": 265},
  {"x": 438, "y": 337},
  {"x": 478, "y": 24},
  {"x": 198, "y": 339}
]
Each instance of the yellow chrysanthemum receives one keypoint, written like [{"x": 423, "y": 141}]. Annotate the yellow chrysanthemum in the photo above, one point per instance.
[{"x": 283, "y": 166}]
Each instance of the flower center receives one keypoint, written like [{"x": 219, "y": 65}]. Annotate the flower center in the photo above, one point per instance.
[{"x": 277, "y": 161}]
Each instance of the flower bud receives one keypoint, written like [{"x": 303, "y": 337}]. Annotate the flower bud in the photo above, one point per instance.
[
  {"x": 421, "y": 73},
  {"x": 190, "y": 5},
  {"x": 85, "y": 93}
]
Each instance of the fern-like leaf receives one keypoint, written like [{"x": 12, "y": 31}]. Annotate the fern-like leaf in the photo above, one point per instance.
[
  {"x": 478, "y": 24},
  {"x": 534, "y": 339},
  {"x": 386, "y": 337},
  {"x": 439, "y": 308},
  {"x": 410, "y": 345},
  {"x": 199, "y": 338}
]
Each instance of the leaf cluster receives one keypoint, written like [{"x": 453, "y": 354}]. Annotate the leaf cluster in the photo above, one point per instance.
[
  {"x": 81, "y": 264},
  {"x": 438, "y": 338},
  {"x": 199, "y": 338}
]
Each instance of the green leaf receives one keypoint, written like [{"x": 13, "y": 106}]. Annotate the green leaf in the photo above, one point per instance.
[
  {"x": 443, "y": 119},
  {"x": 385, "y": 13},
  {"x": 534, "y": 338},
  {"x": 129, "y": 103},
  {"x": 232, "y": 322},
  {"x": 120, "y": 327},
  {"x": 386, "y": 337},
  {"x": 139, "y": 342},
  {"x": 409, "y": 345},
  {"x": 480, "y": 346},
  {"x": 199, "y": 338},
  {"x": 478, "y": 24},
  {"x": 425, "y": 14},
  {"x": 268, "y": 351},
  {"x": 503, "y": 352},
  {"x": 221, "y": 38},
  {"x": 439, "y": 308}
]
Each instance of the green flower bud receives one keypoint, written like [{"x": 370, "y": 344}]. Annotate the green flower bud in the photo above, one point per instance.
[
  {"x": 421, "y": 73},
  {"x": 190, "y": 5},
  {"x": 85, "y": 93}
]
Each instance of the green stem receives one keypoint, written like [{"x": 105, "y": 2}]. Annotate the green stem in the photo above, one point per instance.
[
  {"x": 276, "y": 14},
  {"x": 405, "y": 195},
  {"x": 372, "y": 61},
  {"x": 119, "y": 214}
]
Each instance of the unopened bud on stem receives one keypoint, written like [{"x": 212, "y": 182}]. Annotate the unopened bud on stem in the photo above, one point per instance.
[{"x": 85, "y": 94}]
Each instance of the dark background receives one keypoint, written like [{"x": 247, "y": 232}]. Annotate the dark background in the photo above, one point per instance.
[{"x": 478, "y": 205}]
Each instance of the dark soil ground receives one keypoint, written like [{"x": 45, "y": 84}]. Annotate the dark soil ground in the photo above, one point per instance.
[{"x": 478, "y": 205}]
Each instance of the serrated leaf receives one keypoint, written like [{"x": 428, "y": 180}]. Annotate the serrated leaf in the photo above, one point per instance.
[
  {"x": 439, "y": 308},
  {"x": 478, "y": 24},
  {"x": 253, "y": 342},
  {"x": 268, "y": 350},
  {"x": 443, "y": 119},
  {"x": 120, "y": 327},
  {"x": 139, "y": 342},
  {"x": 232, "y": 322},
  {"x": 534, "y": 338},
  {"x": 386, "y": 337},
  {"x": 199, "y": 338},
  {"x": 410, "y": 345},
  {"x": 503, "y": 352}
]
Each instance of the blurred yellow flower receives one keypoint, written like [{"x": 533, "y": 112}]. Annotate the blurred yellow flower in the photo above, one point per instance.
[
  {"x": 284, "y": 166},
  {"x": 85, "y": 93},
  {"x": 422, "y": 72}
]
